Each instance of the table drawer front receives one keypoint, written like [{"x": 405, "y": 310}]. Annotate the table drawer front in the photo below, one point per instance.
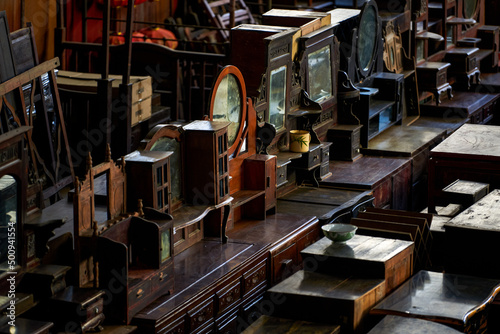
[
  {"x": 140, "y": 292},
  {"x": 162, "y": 277},
  {"x": 441, "y": 78},
  {"x": 314, "y": 157},
  {"x": 283, "y": 263},
  {"x": 93, "y": 310},
  {"x": 281, "y": 173},
  {"x": 253, "y": 278},
  {"x": 325, "y": 153},
  {"x": 201, "y": 315},
  {"x": 229, "y": 296},
  {"x": 178, "y": 326}
]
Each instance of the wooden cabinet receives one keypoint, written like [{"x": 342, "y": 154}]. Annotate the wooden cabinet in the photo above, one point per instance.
[
  {"x": 206, "y": 168},
  {"x": 148, "y": 178},
  {"x": 345, "y": 142},
  {"x": 260, "y": 174}
]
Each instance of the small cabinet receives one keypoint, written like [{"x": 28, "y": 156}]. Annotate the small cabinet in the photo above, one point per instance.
[
  {"x": 206, "y": 155},
  {"x": 148, "y": 176},
  {"x": 345, "y": 142},
  {"x": 260, "y": 171}
]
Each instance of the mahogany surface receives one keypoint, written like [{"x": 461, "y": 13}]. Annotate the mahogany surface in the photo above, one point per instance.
[
  {"x": 455, "y": 300},
  {"x": 402, "y": 325},
  {"x": 388, "y": 178},
  {"x": 313, "y": 296},
  {"x": 405, "y": 141},
  {"x": 463, "y": 104}
]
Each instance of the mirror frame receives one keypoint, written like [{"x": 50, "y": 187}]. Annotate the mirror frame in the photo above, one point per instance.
[
  {"x": 232, "y": 70},
  {"x": 366, "y": 72}
]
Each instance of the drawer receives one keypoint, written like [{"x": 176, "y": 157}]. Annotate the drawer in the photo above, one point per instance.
[
  {"x": 139, "y": 292},
  {"x": 177, "y": 326},
  {"x": 93, "y": 310},
  {"x": 200, "y": 315},
  {"x": 314, "y": 157},
  {"x": 283, "y": 263},
  {"x": 307, "y": 240},
  {"x": 228, "y": 296},
  {"x": 324, "y": 169},
  {"x": 325, "y": 152},
  {"x": 163, "y": 277},
  {"x": 253, "y": 278},
  {"x": 281, "y": 175},
  {"x": 442, "y": 77}
]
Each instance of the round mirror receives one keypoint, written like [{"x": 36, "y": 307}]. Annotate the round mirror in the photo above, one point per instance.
[
  {"x": 470, "y": 7},
  {"x": 367, "y": 36},
  {"x": 228, "y": 103}
]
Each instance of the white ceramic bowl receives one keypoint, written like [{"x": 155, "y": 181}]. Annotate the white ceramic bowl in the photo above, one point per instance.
[{"x": 339, "y": 232}]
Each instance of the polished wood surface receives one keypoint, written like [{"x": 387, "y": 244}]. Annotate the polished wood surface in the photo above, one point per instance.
[
  {"x": 388, "y": 178},
  {"x": 402, "y": 325},
  {"x": 404, "y": 141},
  {"x": 363, "y": 256},
  {"x": 267, "y": 325},
  {"x": 317, "y": 297},
  {"x": 455, "y": 300},
  {"x": 463, "y": 104}
]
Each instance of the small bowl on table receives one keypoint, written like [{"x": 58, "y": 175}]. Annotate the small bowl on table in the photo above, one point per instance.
[{"x": 339, "y": 232}]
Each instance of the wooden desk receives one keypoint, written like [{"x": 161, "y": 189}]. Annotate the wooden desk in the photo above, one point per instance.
[
  {"x": 471, "y": 153},
  {"x": 317, "y": 297},
  {"x": 479, "y": 107},
  {"x": 402, "y": 325},
  {"x": 455, "y": 300},
  {"x": 478, "y": 228},
  {"x": 325, "y": 203},
  {"x": 388, "y": 178},
  {"x": 414, "y": 142},
  {"x": 362, "y": 256}
]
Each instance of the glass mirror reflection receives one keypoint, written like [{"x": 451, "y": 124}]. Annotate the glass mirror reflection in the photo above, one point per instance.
[
  {"x": 227, "y": 105},
  {"x": 170, "y": 144},
  {"x": 470, "y": 8},
  {"x": 366, "y": 37},
  {"x": 277, "y": 97},
  {"x": 320, "y": 79},
  {"x": 8, "y": 221}
]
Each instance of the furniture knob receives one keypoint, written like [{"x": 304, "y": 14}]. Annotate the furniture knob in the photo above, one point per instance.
[
  {"x": 139, "y": 294},
  {"x": 286, "y": 263},
  {"x": 316, "y": 157},
  {"x": 161, "y": 277}
]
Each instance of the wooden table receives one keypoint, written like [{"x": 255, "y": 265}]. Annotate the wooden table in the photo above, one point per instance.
[
  {"x": 414, "y": 142},
  {"x": 472, "y": 239},
  {"x": 455, "y": 300},
  {"x": 401, "y": 325},
  {"x": 362, "y": 256},
  {"x": 388, "y": 178},
  {"x": 316, "y": 297},
  {"x": 471, "y": 153}
]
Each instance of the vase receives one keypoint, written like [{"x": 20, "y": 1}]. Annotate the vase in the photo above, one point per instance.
[{"x": 299, "y": 141}]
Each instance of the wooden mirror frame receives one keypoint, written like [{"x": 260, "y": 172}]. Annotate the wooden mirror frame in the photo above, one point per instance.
[
  {"x": 368, "y": 71},
  {"x": 235, "y": 148}
]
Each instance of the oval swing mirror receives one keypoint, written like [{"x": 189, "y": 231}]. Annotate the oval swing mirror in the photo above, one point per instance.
[{"x": 228, "y": 103}]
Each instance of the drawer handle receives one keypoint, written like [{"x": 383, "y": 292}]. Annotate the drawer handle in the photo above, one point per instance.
[
  {"x": 281, "y": 175},
  {"x": 315, "y": 157},
  {"x": 140, "y": 90},
  {"x": 161, "y": 277},
  {"x": 139, "y": 294},
  {"x": 286, "y": 263}
]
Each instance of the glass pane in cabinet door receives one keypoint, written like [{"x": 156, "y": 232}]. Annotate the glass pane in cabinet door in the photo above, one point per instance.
[
  {"x": 170, "y": 144},
  {"x": 8, "y": 223},
  {"x": 159, "y": 199},
  {"x": 470, "y": 8},
  {"x": 277, "y": 97},
  {"x": 227, "y": 105},
  {"x": 165, "y": 245},
  {"x": 159, "y": 176},
  {"x": 320, "y": 78}
]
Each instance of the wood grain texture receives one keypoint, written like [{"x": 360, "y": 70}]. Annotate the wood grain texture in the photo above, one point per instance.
[
  {"x": 402, "y": 325},
  {"x": 266, "y": 324}
]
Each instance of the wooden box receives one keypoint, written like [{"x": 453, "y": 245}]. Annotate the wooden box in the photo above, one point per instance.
[
  {"x": 45, "y": 280},
  {"x": 317, "y": 297},
  {"x": 148, "y": 178},
  {"x": 490, "y": 40},
  {"x": 465, "y": 192},
  {"x": 207, "y": 168},
  {"x": 345, "y": 141},
  {"x": 363, "y": 256},
  {"x": 77, "y": 310},
  {"x": 141, "y": 90},
  {"x": 462, "y": 60},
  {"x": 432, "y": 75}
]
